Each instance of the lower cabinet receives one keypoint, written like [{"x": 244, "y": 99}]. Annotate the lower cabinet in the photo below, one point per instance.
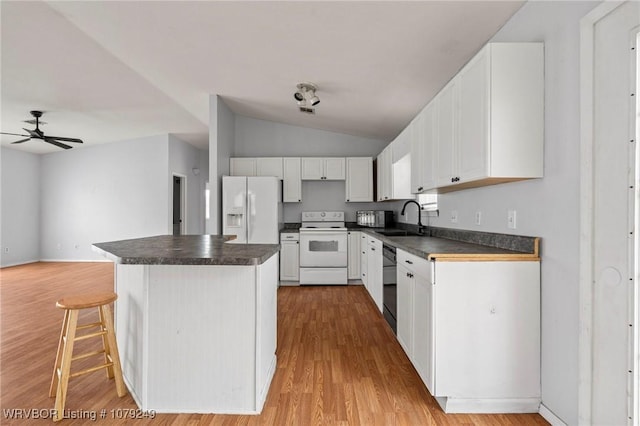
[
  {"x": 374, "y": 270},
  {"x": 353, "y": 248},
  {"x": 289, "y": 256},
  {"x": 472, "y": 331},
  {"x": 363, "y": 260}
]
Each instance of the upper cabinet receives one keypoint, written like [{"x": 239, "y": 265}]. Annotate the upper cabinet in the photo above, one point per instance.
[
  {"x": 291, "y": 183},
  {"x": 263, "y": 166},
  {"x": 316, "y": 168},
  {"x": 385, "y": 175},
  {"x": 423, "y": 139},
  {"x": 359, "y": 182},
  {"x": 486, "y": 126}
]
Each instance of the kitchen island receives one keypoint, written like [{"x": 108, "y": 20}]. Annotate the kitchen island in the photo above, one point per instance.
[{"x": 195, "y": 321}]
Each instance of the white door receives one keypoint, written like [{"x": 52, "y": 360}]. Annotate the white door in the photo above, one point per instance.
[
  {"x": 359, "y": 185},
  {"x": 312, "y": 168},
  {"x": 446, "y": 166},
  {"x": 353, "y": 270},
  {"x": 269, "y": 166},
  {"x": 405, "y": 308},
  {"x": 263, "y": 210},
  {"x": 291, "y": 183},
  {"x": 242, "y": 166},
  {"x": 334, "y": 168},
  {"x": 234, "y": 207},
  {"x": 289, "y": 269}
]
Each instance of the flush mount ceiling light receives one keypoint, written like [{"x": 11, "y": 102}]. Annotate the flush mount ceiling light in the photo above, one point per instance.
[{"x": 306, "y": 97}]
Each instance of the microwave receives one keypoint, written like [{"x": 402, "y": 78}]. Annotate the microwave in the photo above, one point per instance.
[{"x": 375, "y": 218}]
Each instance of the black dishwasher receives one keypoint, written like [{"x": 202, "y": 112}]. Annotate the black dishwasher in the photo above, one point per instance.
[{"x": 389, "y": 285}]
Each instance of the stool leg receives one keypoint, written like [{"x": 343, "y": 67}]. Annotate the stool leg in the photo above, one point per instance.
[
  {"x": 54, "y": 378},
  {"x": 113, "y": 347},
  {"x": 65, "y": 365},
  {"x": 105, "y": 343}
]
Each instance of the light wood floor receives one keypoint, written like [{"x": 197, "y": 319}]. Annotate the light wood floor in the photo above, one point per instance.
[{"x": 338, "y": 361}]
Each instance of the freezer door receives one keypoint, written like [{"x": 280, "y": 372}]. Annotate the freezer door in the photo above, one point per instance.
[
  {"x": 263, "y": 210},
  {"x": 234, "y": 207}
]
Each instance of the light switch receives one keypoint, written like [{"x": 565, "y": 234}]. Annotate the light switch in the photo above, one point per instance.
[
  {"x": 454, "y": 216},
  {"x": 478, "y": 217}
]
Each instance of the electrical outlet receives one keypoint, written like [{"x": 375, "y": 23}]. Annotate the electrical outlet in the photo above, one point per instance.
[
  {"x": 478, "y": 217},
  {"x": 454, "y": 216},
  {"x": 511, "y": 219},
  {"x": 6, "y": 249}
]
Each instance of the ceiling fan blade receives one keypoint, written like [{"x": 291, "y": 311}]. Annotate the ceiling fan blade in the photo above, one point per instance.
[
  {"x": 13, "y": 134},
  {"x": 66, "y": 139},
  {"x": 56, "y": 143},
  {"x": 37, "y": 134},
  {"x": 22, "y": 140}
]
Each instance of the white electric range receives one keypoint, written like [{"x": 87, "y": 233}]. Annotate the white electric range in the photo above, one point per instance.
[{"x": 323, "y": 248}]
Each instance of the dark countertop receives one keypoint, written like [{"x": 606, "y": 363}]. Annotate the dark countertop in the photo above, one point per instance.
[
  {"x": 185, "y": 250},
  {"x": 445, "y": 249}
]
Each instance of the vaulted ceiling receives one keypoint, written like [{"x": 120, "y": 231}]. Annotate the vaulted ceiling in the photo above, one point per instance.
[{"x": 109, "y": 70}]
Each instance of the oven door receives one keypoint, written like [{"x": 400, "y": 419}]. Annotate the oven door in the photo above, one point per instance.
[{"x": 323, "y": 248}]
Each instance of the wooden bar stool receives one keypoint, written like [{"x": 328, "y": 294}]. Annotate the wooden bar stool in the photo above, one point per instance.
[{"x": 62, "y": 371}]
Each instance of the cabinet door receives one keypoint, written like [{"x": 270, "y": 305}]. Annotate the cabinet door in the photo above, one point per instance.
[
  {"x": 422, "y": 333},
  {"x": 404, "y": 306},
  {"x": 353, "y": 268},
  {"x": 374, "y": 268},
  {"x": 364, "y": 257},
  {"x": 417, "y": 143},
  {"x": 242, "y": 166},
  {"x": 289, "y": 261},
  {"x": 473, "y": 135},
  {"x": 359, "y": 183},
  {"x": 446, "y": 149},
  {"x": 334, "y": 168},
  {"x": 430, "y": 137},
  {"x": 312, "y": 168},
  {"x": 269, "y": 166},
  {"x": 291, "y": 182}
]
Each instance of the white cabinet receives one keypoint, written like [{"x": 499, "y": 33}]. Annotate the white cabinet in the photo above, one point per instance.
[
  {"x": 242, "y": 166},
  {"x": 374, "y": 270},
  {"x": 353, "y": 248},
  {"x": 291, "y": 182},
  {"x": 423, "y": 139},
  {"x": 316, "y": 168},
  {"x": 364, "y": 257},
  {"x": 289, "y": 256},
  {"x": 385, "y": 175},
  {"x": 263, "y": 166},
  {"x": 359, "y": 182},
  {"x": 491, "y": 118},
  {"x": 415, "y": 313},
  {"x": 472, "y": 331}
]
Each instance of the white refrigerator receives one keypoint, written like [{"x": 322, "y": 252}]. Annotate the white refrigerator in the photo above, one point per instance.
[{"x": 252, "y": 209}]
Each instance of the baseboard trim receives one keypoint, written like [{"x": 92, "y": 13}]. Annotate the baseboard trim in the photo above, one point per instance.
[
  {"x": 76, "y": 260},
  {"x": 26, "y": 262},
  {"x": 489, "y": 405},
  {"x": 550, "y": 417}
]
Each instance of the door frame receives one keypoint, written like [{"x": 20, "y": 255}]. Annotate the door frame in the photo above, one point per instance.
[
  {"x": 587, "y": 243},
  {"x": 183, "y": 202}
]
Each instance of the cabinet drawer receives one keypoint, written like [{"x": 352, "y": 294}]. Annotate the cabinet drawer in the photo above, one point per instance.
[
  {"x": 415, "y": 264},
  {"x": 289, "y": 236}
]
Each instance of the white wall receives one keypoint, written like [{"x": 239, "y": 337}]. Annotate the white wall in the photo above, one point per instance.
[
  {"x": 221, "y": 140},
  {"x": 20, "y": 201},
  {"x": 103, "y": 193},
  {"x": 549, "y": 207},
  {"x": 260, "y": 138},
  {"x": 183, "y": 158}
]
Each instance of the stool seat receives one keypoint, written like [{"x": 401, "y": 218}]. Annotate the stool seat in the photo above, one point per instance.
[
  {"x": 84, "y": 301},
  {"x": 62, "y": 370}
]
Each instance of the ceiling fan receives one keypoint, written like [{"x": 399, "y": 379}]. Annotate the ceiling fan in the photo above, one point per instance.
[{"x": 38, "y": 134}]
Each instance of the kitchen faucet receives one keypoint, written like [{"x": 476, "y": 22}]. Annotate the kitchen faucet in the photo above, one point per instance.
[{"x": 420, "y": 227}]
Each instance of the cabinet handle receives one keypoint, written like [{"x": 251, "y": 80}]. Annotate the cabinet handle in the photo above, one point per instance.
[
  {"x": 373, "y": 249},
  {"x": 453, "y": 179},
  {"x": 347, "y": 201},
  {"x": 409, "y": 262},
  {"x": 420, "y": 188}
]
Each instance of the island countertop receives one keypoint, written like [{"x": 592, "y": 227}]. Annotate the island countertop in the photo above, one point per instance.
[{"x": 185, "y": 250}]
